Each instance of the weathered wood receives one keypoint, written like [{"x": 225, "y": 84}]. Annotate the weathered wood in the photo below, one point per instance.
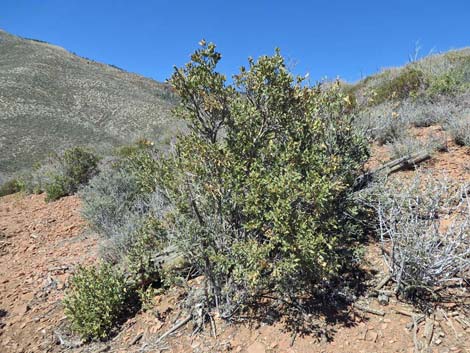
[
  {"x": 392, "y": 167},
  {"x": 368, "y": 310},
  {"x": 383, "y": 282}
]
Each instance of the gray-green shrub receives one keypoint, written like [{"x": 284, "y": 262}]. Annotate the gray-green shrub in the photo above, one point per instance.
[
  {"x": 62, "y": 175},
  {"x": 96, "y": 300}
]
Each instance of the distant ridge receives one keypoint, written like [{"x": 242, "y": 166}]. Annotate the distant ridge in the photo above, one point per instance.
[{"x": 51, "y": 98}]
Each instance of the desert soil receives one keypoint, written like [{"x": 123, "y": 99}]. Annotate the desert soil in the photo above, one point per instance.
[{"x": 41, "y": 244}]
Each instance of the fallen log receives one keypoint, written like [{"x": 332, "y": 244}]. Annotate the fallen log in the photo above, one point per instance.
[{"x": 391, "y": 167}]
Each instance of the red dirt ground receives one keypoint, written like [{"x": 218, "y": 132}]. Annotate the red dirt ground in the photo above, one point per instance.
[{"x": 42, "y": 243}]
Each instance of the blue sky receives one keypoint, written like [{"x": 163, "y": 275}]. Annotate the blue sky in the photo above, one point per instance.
[{"x": 324, "y": 38}]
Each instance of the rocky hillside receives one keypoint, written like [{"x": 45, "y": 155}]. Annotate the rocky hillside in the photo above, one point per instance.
[{"x": 51, "y": 98}]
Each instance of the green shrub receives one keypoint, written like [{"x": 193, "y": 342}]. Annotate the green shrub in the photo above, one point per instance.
[
  {"x": 143, "y": 165},
  {"x": 96, "y": 301},
  {"x": 10, "y": 187},
  {"x": 261, "y": 185},
  {"x": 147, "y": 241},
  {"x": 446, "y": 84},
  {"x": 58, "y": 187},
  {"x": 79, "y": 166},
  {"x": 62, "y": 175},
  {"x": 408, "y": 83}
]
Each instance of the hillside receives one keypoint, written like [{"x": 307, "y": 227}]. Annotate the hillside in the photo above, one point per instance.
[
  {"x": 404, "y": 288},
  {"x": 51, "y": 98}
]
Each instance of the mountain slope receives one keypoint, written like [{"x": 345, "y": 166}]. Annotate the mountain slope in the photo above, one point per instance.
[{"x": 51, "y": 98}]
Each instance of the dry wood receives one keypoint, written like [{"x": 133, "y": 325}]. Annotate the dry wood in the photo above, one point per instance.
[
  {"x": 416, "y": 342},
  {"x": 415, "y": 318},
  {"x": 462, "y": 322},
  {"x": 428, "y": 331},
  {"x": 404, "y": 312},
  {"x": 392, "y": 167},
  {"x": 174, "y": 328},
  {"x": 383, "y": 282},
  {"x": 368, "y": 310},
  {"x": 136, "y": 339}
]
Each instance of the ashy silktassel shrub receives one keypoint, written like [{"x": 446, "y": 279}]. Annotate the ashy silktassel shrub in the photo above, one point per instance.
[
  {"x": 96, "y": 301},
  {"x": 261, "y": 185}
]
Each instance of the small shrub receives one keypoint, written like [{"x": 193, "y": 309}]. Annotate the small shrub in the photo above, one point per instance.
[
  {"x": 143, "y": 165},
  {"x": 41, "y": 175},
  {"x": 408, "y": 83},
  {"x": 382, "y": 123},
  {"x": 459, "y": 129},
  {"x": 96, "y": 301},
  {"x": 58, "y": 187},
  {"x": 446, "y": 84},
  {"x": 144, "y": 244},
  {"x": 422, "y": 253},
  {"x": 108, "y": 197},
  {"x": 62, "y": 175},
  {"x": 407, "y": 145},
  {"x": 10, "y": 187},
  {"x": 80, "y": 165}
]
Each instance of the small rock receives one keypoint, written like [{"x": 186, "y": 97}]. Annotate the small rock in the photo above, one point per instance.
[{"x": 438, "y": 342}]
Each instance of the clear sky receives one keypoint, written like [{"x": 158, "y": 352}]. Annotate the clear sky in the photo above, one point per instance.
[{"x": 324, "y": 38}]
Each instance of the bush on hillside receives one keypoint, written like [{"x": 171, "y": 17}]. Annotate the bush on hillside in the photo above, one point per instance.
[
  {"x": 10, "y": 187},
  {"x": 459, "y": 128},
  {"x": 408, "y": 83},
  {"x": 62, "y": 175},
  {"x": 108, "y": 197},
  {"x": 97, "y": 300},
  {"x": 383, "y": 123},
  {"x": 261, "y": 185}
]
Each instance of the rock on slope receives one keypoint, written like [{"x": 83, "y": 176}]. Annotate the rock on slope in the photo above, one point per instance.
[{"x": 51, "y": 98}]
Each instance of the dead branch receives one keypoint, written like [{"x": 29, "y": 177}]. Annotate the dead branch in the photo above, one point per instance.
[
  {"x": 368, "y": 310},
  {"x": 174, "y": 328}
]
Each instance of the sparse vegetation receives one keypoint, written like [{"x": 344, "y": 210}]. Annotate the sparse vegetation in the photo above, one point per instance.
[
  {"x": 422, "y": 251},
  {"x": 459, "y": 129}
]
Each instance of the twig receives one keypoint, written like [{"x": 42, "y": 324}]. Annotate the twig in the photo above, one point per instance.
[
  {"x": 462, "y": 322},
  {"x": 428, "y": 331},
  {"x": 368, "y": 310},
  {"x": 214, "y": 330},
  {"x": 174, "y": 328},
  {"x": 415, "y": 338},
  {"x": 415, "y": 318},
  {"x": 137, "y": 338},
  {"x": 294, "y": 336}
]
